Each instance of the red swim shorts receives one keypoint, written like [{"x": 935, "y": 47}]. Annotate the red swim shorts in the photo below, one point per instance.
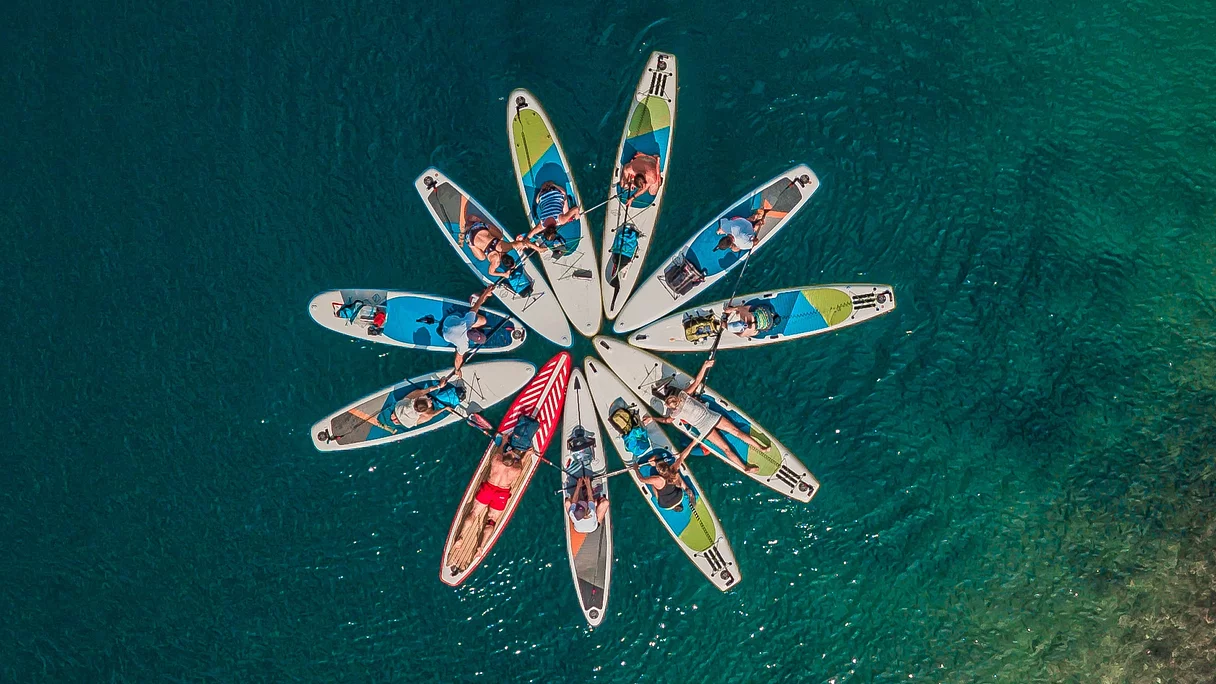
[{"x": 493, "y": 496}]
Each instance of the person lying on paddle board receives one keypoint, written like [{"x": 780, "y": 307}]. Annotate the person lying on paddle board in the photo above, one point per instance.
[
  {"x": 641, "y": 174},
  {"x": 488, "y": 244},
  {"x": 512, "y": 448},
  {"x": 683, "y": 406},
  {"x": 553, "y": 210},
  {"x": 464, "y": 329},
  {"x": 739, "y": 234},
  {"x": 418, "y": 407},
  {"x": 586, "y": 508},
  {"x": 667, "y": 485},
  {"x": 748, "y": 320}
]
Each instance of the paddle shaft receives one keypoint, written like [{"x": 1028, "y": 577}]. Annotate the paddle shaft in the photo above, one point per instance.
[{"x": 605, "y": 202}]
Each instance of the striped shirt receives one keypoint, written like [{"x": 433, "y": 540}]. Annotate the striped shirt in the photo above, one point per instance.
[{"x": 550, "y": 204}]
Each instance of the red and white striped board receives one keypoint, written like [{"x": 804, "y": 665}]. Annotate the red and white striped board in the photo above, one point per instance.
[{"x": 542, "y": 398}]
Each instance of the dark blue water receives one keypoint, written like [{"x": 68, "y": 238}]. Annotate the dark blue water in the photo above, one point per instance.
[{"x": 1016, "y": 464}]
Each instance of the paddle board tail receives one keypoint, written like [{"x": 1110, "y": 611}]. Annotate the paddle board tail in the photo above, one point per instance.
[
  {"x": 525, "y": 292},
  {"x": 689, "y": 518},
  {"x": 476, "y": 526},
  {"x": 700, "y": 262},
  {"x": 768, "y": 318},
  {"x": 568, "y": 255},
  {"x": 583, "y": 455},
  {"x": 778, "y": 468},
  {"x": 370, "y": 420},
  {"x": 629, "y": 226}
]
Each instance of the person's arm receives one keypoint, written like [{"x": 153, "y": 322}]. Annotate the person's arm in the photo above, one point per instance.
[
  {"x": 458, "y": 363},
  {"x": 536, "y": 230},
  {"x": 481, "y": 299},
  {"x": 683, "y": 455},
  {"x": 695, "y": 386},
  {"x": 495, "y": 266},
  {"x": 647, "y": 420},
  {"x": 569, "y": 215}
]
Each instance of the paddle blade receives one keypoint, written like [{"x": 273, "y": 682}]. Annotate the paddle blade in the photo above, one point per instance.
[{"x": 478, "y": 422}]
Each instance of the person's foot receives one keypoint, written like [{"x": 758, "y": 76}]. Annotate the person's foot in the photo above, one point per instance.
[{"x": 750, "y": 467}]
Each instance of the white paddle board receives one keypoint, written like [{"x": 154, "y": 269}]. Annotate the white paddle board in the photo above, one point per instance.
[
  {"x": 694, "y": 527},
  {"x": 648, "y": 128},
  {"x": 570, "y": 262},
  {"x": 779, "y": 469},
  {"x": 583, "y": 455}
]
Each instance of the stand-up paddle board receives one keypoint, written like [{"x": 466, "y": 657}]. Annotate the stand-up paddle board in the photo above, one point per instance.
[
  {"x": 767, "y": 318},
  {"x": 373, "y": 420},
  {"x": 407, "y": 319},
  {"x": 478, "y": 524},
  {"x": 629, "y": 226},
  {"x": 525, "y": 293},
  {"x": 700, "y": 263},
  {"x": 691, "y": 523},
  {"x": 569, "y": 259},
  {"x": 779, "y": 469},
  {"x": 583, "y": 456}
]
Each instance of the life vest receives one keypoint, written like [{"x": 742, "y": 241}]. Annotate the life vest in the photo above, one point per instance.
[
  {"x": 520, "y": 283},
  {"x": 447, "y": 396},
  {"x": 623, "y": 420},
  {"x": 626, "y": 241},
  {"x": 701, "y": 328},
  {"x": 521, "y": 437}
]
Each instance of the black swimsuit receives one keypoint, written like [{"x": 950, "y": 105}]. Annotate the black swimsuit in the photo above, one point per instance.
[
  {"x": 477, "y": 228},
  {"x": 669, "y": 496}
]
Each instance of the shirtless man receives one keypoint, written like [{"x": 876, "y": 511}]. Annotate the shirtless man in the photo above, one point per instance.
[
  {"x": 506, "y": 466},
  {"x": 641, "y": 174}
]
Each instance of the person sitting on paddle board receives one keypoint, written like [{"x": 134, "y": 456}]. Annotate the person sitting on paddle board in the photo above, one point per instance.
[
  {"x": 642, "y": 175},
  {"x": 512, "y": 448},
  {"x": 586, "y": 508},
  {"x": 683, "y": 406},
  {"x": 748, "y": 320},
  {"x": 552, "y": 209},
  {"x": 667, "y": 484},
  {"x": 464, "y": 329},
  {"x": 488, "y": 244}
]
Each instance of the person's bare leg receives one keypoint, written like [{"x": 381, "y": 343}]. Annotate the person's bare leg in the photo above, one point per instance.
[
  {"x": 601, "y": 510},
  {"x": 469, "y": 521},
  {"x": 715, "y": 438},
  {"x": 483, "y": 538},
  {"x": 725, "y": 424}
]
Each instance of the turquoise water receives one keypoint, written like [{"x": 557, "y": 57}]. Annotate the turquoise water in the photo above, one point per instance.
[{"x": 1016, "y": 463}]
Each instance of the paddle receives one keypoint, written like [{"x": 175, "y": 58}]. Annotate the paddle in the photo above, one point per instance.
[{"x": 605, "y": 202}]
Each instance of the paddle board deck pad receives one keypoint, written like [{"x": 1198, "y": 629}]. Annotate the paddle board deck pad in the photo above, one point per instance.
[
  {"x": 779, "y": 469},
  {"x": 529, "y": 297},
  {"x": 695, "y": 527},
  {"x": 570, "y": 261},
  {"x": 368, "y": 422},
  {"x": 407, "y": 319},
  {"x": 542, "y": 399},
  {"x": 583, "y": 456},
  {"x": 629, "y": 230},
  {"x": 699, "y": 264},
  {"x": 791, "y": 314}
]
